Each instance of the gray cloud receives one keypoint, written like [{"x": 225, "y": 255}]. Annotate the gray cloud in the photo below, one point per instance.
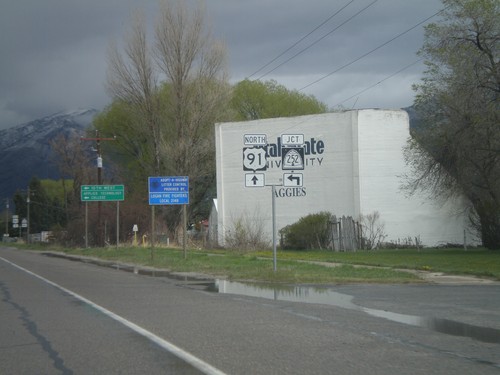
[{"x": 54, "y": 51}]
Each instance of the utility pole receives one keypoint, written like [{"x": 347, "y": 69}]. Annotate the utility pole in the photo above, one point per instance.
[
  {"x": 7, "y": 217},
  {"x": 29, "y": 221},
  {"x": 98, "y": 139}
]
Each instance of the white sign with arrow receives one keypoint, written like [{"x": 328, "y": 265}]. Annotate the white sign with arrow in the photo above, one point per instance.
[
  {"x": 254, "y": 179},
  {"x": 292, "y": 179}
]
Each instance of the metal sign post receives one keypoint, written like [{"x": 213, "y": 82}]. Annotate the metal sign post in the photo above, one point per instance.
[
  {"x": 135, "y": 229},
  {"x": 256, "y": 164},
  {"x": 275, "y": 261},
  {"x": 117, "y": 224},
  {"x": 273, "y": 212},
  {"x": 86, "y": 225},
  {"x": 102, "y": 193},
  {"x": 169, "y": 190}
]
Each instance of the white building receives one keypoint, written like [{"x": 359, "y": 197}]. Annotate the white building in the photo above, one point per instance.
[{"x": 347, "y": 163}]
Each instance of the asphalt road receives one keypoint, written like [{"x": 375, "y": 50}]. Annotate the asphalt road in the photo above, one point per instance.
[{"x": 60, "y": 316}]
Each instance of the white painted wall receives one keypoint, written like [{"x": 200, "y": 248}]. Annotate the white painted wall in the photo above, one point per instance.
[{"x": 356, "y": 170}]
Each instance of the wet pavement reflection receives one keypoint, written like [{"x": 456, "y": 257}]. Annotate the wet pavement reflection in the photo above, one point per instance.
[
  {"x": 323, "y": 295},
  {"x": 305, "y": 294}
]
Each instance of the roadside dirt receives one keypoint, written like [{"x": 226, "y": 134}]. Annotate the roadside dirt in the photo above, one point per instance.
[
  {"x": 426, "y": 276},
  {"x": 430, "y": 277},
  {"x": 441, "y": 278}
]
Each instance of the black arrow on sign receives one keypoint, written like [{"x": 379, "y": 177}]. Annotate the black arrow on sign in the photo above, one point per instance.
[
  {"x": 254, "y": 180},
  {"x": 296, "y": 178}
]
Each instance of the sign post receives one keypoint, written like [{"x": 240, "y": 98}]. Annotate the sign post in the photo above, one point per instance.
[
  {"x": 169, "y": 190},
  {"x": 15, "y": 223},
  {"x": 102, "y": 193},
  {"x": 275, "y": 261},
  {"x": 117, "y": 224},
  {"x": 135, "y": 229},
  {"x": 86, "y": 225},
  {"x": 255, "y": 160},
  {"x": 255, "y": 164}
]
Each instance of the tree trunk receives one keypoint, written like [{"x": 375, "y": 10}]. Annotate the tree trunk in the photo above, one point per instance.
[{"x": 489, "y": 217}]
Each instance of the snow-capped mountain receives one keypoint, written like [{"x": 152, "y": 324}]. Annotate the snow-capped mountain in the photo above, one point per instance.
[{"x": 25, "y": 149}]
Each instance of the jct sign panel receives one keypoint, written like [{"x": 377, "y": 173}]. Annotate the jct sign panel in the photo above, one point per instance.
[
  {"x": 168, "y": 190},
  {"x": 95, "y": 193}
]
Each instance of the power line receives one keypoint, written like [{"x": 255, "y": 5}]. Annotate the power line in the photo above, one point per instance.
[
  {"x": 318, "y": 40},
  {"x": 301, "y": 121},
  {"x": 301, "y": 39},
  {"x": 359, "y": 58},
  {"x": 379, "y": 82},
  {"x": 371, "y": 51}
]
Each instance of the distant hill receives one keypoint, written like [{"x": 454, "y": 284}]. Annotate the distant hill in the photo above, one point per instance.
[{"x": 25, "y": 149}]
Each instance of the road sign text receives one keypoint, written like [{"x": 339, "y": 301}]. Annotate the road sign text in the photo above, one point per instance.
[
  {"x": 168, "y": 190},
  {"x": 255, "y": 139},
  {"x": 97, "y": 193}
]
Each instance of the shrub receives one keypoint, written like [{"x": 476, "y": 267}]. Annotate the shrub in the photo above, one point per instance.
[
  {"x": 310, "y": 232},
  {"x": 247, "y": 233},
  {"x": 373, "y": 231}
]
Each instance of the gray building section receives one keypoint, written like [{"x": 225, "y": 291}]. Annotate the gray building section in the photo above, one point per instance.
[{"x": 348, "y": 163}]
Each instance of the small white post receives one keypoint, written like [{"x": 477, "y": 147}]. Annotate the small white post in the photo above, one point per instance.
[{"x": 275, "y": 266}]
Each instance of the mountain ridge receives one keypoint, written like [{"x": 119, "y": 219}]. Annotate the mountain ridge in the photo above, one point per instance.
[{"x": 25, "y": 149}]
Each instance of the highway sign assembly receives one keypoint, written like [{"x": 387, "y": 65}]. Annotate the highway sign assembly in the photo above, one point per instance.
[
  {"x": 15, "y": 221},
  {"x": 107, "y": 193}
]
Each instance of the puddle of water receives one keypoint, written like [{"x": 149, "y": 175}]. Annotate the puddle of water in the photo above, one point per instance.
[
  {"x": 316, "y": 295},
  {"x": 327, "y": 296},
  {"x": 287, "y": 293}
]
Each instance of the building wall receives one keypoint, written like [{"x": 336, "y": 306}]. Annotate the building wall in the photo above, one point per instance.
[
  {"x": 352, "y": 164},
  {"x": 381, "y": 138}
]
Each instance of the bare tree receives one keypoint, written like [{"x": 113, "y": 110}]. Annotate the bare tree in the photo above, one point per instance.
[
  {"x": 178, "y": 113},
  {"x": 174, "y": 90},
  {"x": 133, "y": 79},
  {"x": 72, "y": 162},
  {"x": 373, "y": 230},
  {"x": 194, "y": 65},
  {"x": 455, "y": 148}
]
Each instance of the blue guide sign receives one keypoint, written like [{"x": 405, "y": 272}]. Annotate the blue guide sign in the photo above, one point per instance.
[{"x": 168, "y": 190}]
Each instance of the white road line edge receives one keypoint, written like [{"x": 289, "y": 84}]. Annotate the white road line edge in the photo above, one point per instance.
[{"x": 175, "y": 350}]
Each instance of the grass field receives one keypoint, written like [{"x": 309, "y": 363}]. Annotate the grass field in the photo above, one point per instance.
[
  {"x": 477, "y": 262},
  {"x": 294, "y": 266}
]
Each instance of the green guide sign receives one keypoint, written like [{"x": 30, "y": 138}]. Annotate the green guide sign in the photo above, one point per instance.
[{"x": 95, "y": 193}]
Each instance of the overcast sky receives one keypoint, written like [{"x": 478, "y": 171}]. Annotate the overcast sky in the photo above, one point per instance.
[{"x": 53, "y": 52}]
